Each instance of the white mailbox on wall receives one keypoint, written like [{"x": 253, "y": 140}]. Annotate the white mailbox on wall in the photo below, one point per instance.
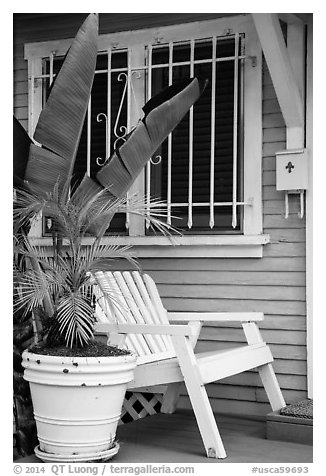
[
  {"x": 292, "y": 169},
  {"x": 292, "y": 175}
]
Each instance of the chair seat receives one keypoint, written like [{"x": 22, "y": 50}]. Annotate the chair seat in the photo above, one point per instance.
[{"x": 230, "y": 362}]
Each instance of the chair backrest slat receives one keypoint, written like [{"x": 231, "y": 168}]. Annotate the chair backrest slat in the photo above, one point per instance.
[
  {"x": 154, "y": 315},
  {"x": 129, "y": 297},
  {"x": 154, "y": 342},
  {"x": 160, "y": 311},
  {"x": 120, "y": 310},
  {"x": 134, "y": 316},
  {"x": 156, "y": 299}
]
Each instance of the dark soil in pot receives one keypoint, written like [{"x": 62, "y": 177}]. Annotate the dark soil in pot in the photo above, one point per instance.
[{"x": 93, "y": 349}]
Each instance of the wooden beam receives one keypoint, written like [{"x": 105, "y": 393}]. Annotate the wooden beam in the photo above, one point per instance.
[
  {"x": 296, "y": 51},
  {"x": 290, "y": 18},
  {"x": 279, "y": 65},
  {"x": 296, "y": 18}
]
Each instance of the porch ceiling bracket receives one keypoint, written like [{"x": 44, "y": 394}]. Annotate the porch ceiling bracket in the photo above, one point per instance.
[
  {"x": 285, "y": 64},
  {"x": 292, "y": 18}
]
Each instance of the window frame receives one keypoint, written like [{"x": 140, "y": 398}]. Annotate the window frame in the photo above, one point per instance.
[{"x": 250, "y": 242}]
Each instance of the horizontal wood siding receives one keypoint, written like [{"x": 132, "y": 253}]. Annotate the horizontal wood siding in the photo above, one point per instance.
[
  {"x": 274, "y": 284},
  {"x": 20, "y": 100}
]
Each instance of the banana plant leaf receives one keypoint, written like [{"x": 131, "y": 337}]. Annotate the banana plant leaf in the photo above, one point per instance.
[
  {"x": 21, "y": 145},
  {"x": 162, "y": 114},
  {"x": 61, "y": 121}
]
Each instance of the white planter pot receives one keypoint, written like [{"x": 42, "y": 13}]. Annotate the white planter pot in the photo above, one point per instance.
[{"x": 77, "y": 403}]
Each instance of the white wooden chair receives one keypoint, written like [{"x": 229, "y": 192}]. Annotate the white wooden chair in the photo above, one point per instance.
[{"x": 133, "y": 314}]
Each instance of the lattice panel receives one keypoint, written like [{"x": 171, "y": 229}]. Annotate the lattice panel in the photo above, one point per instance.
[{"x": 139, "y": 405}]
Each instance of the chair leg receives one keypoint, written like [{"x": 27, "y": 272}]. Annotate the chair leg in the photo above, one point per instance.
[
  {"x": 205, "y": 420},
  {"x": 271, "y": 386},
  {"x": 170, "y": 397},
  {"x": 172, "y": 393},
  {"x": 199, "y": 399},
  {"x": 266, "y": 371}
]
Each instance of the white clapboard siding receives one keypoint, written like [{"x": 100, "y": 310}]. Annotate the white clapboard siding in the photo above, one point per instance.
[
  {"x": 270, "y": 148},
  {"x": 202, "y": 277},
  {"x": 278, "y": 221},
  {"x": 271, "y": 336},
  {"x": 273, "y": 119},
  {"x": 252, "y": 379},
  {"x": 273, "y": 207},
  {"x": 21, "y": 113},
  {"x": 289, "y": 323},
  {"x": 238, "y": 392},
  {"x": 209, "y": 265},
  {"x": 21, "y": 73},
  {"x": 274, "y": 134},
  {"x": 285, "y": 250},
  {"x": 21, "y": 87},
  {"x": 229, "y": 305},
  {"x": 279, "y": 351},
  {"x": 269, "y": 162},
  {"x": 209, "y": 291},
  {"x": 236, "y": 407},
  {"x": 293, "y": 235},
  {"x": 270, "y": 106},
  {"x": 270, "y": 193},
  {"x": 20, "y": 100}
]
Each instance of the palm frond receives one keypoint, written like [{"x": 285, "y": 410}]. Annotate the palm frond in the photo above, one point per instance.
[
  {"x": 96, "y": 206},
  {"x": 103, "y": 257},
  {"x": 74, "y": 315},
  {"x": 153, "y": 210},
  {"x": 32, "y": 288}
]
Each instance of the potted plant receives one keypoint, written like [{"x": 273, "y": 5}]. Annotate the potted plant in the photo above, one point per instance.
[{"x": 78, "y": 385}]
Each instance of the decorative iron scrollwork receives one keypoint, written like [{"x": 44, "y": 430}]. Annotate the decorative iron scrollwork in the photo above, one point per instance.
[
  {"x": 120, "y": 132},
  {"x": 99, "y": 118},
  {"x": 156, "y": 160}
]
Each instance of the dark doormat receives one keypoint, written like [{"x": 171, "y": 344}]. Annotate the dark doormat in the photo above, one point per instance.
[
  {"x": 292, "y": 423},
  {"x": 302, "y": 409}
]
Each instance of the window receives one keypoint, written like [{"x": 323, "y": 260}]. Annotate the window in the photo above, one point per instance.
[
  {"x": 195, "y": 170},
  {"x": 209, "y": 169}
]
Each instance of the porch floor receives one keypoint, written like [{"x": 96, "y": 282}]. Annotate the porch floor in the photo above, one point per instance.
[{"x": 176, "y": 439}]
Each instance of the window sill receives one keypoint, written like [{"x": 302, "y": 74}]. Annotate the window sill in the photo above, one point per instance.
[{"x": 222, "y": 246}]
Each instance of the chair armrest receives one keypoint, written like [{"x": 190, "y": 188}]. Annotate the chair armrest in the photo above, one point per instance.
[
  {"x": 216, "y": 316},
  {"x": 169, "y": 329}
]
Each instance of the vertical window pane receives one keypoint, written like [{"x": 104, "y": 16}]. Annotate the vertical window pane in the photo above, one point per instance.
[
  {"x": 223, "y": 137},
  {"x": 98, "y": 134}
]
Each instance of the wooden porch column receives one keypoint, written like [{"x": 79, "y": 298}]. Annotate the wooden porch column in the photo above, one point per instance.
[
  {"x": 286, "y": 64},
  {"x": 309, "y": 209},
  {"x": 284, "y": 69}
]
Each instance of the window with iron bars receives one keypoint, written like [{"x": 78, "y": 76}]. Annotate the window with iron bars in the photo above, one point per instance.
[{"x": 208, "y": 171}]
